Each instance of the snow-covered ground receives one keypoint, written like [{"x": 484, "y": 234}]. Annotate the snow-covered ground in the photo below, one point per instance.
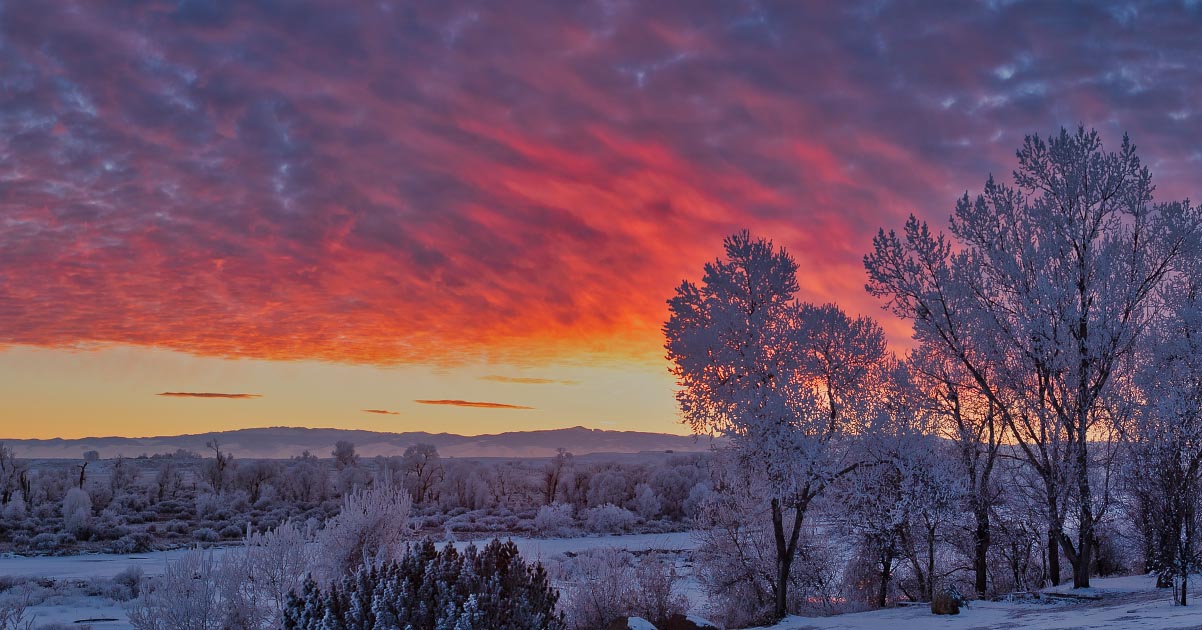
[
  {"x": 70, "y": 608},
  {"x": 1127, "y": 603}
]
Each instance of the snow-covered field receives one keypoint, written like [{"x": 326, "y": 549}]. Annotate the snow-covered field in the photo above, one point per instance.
[
  {"x": 70, "y": 608},
  {"x": 1127, "y": 603}
]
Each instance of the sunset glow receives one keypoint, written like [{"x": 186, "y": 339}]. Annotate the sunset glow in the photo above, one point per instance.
[{"x": 468, "y": 217}]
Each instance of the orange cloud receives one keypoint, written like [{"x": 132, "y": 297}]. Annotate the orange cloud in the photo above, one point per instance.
[
  {"x": 523, "y": 185},
  {"x": 208, "y": 395},
  {"x": 382, "y": 412},
  {"x": 471, "y": 403}
]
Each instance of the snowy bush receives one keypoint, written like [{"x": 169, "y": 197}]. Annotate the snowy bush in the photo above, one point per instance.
[
  {"x": 185, "y": 597},
  {"x": 603, "y": 585},
  {"x": 371, "y": 528},
  {"x": 77, "y": 510},
  {"x": 208, "y": 505},
  {"x": 206, "y": 534},
  {"x": 15, "y": 510},
  {"x": 14, "y": 610},
  {"x": 554, "y": 520},
  {"x": 276, "y": 563},
  {"x": 608, "y": 518},
  {"x": 646, "y": 502},
  {"x": 428, "y": 588},
  {"x": 130, "y": 580},
  {"x": 654, "y": 595},
  {"x": 132, "y": 543}
]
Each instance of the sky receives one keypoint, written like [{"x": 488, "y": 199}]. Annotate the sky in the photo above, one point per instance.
[{"x": 468, "y": 216}]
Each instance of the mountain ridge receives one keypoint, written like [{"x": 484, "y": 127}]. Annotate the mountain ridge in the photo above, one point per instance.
[{"x": 282, "y": 442}]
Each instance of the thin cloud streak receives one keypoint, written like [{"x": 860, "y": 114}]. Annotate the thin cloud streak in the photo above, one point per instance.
[
  {"x": 526, "y": 380},
  {"x": 382, "y": 412},
  {"x": 208, "y": 395},
  {"x": 472, "y": 403}
]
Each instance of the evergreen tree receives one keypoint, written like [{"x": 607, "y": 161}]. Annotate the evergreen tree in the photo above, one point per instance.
[{"x": 428, "y": 588}]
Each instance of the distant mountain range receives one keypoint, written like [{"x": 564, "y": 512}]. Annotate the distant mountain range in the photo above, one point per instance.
[{"x": 282, "y": 442}]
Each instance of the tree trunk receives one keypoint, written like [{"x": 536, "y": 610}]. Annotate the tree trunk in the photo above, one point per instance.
[
  {"x": 1086, "y": 541},
  {"x": 886, "y": 572},
  {"x": 1054, "y": 557},
  {"x": 786, "y": 550},
  {"x": 981, "y": 551},
  {"x": 931, "y": 564},
  {"x": 784, "y": 560}
]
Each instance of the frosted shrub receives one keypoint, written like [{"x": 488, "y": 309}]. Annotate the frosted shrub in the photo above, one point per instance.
[
  {"x": 605, "y": 584},
  {"x": 206, "y": 534},
  {"x": 130, "y": 580},
  {"x": 371, "y": 528},
  {"x": 185, "y": 597},
  {"x": 654, "y": 596},
  {"x": 247, "y": 588},
  {"x": 13, "y": 610},
  {"x": 15, "y": 510},
  {"x": 554, "y": 520},
  {"x": 208, "y": 505},
  {"x": 77, "y": 510},
  {"x": 594, "y": 588},
  {"x": 608, "y": 518},
  {"x": 276, "y": 563}
]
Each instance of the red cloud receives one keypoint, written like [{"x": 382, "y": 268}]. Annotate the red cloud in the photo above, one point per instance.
[
  {"x": 208, "y": 395},
  {"x": 444, "y": 184},
  {"x": 471, "y": 403}
]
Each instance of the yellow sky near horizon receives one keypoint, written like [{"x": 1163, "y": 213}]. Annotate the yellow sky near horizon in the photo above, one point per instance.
[{"x": 48, "y": 393}]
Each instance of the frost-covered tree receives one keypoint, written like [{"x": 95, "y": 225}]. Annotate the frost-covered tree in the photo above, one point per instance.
[
  {"x": 1165, "y": 464},
  {"x": 422, "y": 469},
  {"x": 306, "y": 480},
  {"x": 344, "y": 454},
  {"x": 13, "y": 474},
  {"x": 554, "y": 473},
  {"x": 971, "y": 423},
  {"x": 218, "y": 471},
  {"x": 736, "y": 563},
  {"x": 784, "y": 381},
  {"x": 1042, "y": 291},
  {"x": 902, "y": 504}
]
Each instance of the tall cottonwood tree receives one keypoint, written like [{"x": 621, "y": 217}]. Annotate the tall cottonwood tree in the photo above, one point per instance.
[
  {"x": 785, "y": 381},
  {"x": 1042, "y": 291}
]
